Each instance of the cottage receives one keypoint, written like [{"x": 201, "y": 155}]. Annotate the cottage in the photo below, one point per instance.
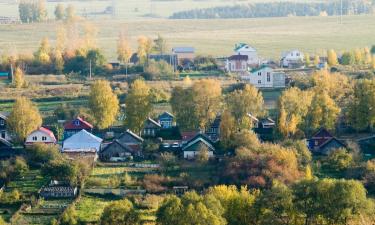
[
  {"x": 166, "y": 120},
  {"x": 82, "y": 141},
  {"x": 186, "y": 136},
  {"x": 237, "y": 64},
  {"x": 322, "y": 142},
  {"x": 292, "y": 59},
  {"x": 74, "y": 126},
  {"x": 41, "y": 135},
  {"x": 151, "y": 128},
  {"x": 116, "y": 151},
  {"x": 184, "y": 54},
  {"x": 57, "y": 190},
  {"x": 213, "y": 132},
  {"x": 265, "y": 77},
  {"x": 3, "y": 126},
  {"x": 250, "y": 52},
  {"x": 131, "y": 140},
  {"x": 367, "y": 144},
  {"x": 192, "y": 147},
  {"x": 6, "y": 149}
]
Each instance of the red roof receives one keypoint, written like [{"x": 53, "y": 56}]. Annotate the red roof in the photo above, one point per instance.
[
  {"x": 78, "y": 124},
  {"x": 188, "y": 135},
  {"x": 238, "y": 57},
  {"x": 48, "y": 132}
]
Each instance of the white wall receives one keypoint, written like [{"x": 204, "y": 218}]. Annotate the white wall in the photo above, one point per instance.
[{"x": 39, "y": 137}]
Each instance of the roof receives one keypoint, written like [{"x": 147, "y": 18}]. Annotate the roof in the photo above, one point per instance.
[
  {"x": 82, "y": 140},
  {"x": 5, "y": 142},
  {"x": 256, "y": 69},
  {"x": 131, "y": 134},
  {"x": 4, "y": 115},
  {"x": 116, "y": 142},
  {"x": 183, "y": 50},
  {"x": 46, "y": 131},
  {"x": 196, "y": 141},
  {"x": 267, "y": 121},
  {"x": 322, "y": 133},
  {"x": 252, "y": 117},
  {"x": 153, "y": 122},
  {"x": 188, "y": 135},
  {"x": 166, "y": 114},
  {"x": 329, "y": 141},
  {"x": 241, "y": 45},
  {"x": 82, "y": 124},
  {"x": 239, "y": 57}
]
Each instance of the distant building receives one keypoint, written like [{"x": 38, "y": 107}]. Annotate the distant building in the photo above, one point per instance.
[
  {"x": 166, "y": 120},
  {"x": 81, "y": 142},
  {"x": 237, "y": 64},
  {"x": 191, "y": 148},
  {"x": 150, "y": 128},
  {"x": 250, "y": 52},
  {"x": 265, "y": 77},
  {"x": 323, "y": 142},
  {"x": 76, "y": 125},
  {"x": 3, "y": 126},
  {"x": 117, "y": 152},
  {"x": 292, "y": 59},
  {"x": 41, "y": 135},
  {"x": 184, "y": 54},
  {"x": 58, "y": 190},
  {"x": 132, "y": 141}
]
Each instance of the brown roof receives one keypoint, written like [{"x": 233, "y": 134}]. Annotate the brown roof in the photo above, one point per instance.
[{"x": 239, "y": 57}]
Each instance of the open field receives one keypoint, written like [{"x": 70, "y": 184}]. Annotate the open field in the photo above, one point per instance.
[{"x": 270, "y": 36}]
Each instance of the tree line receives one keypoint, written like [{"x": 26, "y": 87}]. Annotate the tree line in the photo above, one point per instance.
[{"x": 277, "y": 9}]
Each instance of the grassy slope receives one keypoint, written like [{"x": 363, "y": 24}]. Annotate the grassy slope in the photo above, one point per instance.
[{"x": 270, "y": 36}]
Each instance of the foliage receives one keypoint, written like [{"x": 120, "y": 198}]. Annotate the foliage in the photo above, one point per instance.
[
  {"x": 183, "y": 107},
  {"x": 167, "y": 160},
  {"x": 103, "y": 103},
  {"x": 159, "y": 70},
  {"x": 124, "y": 51},
  {"x": 18, "y": 80},
  {"x": 339, "y": 160},
  {"x": 227, "y": 129},
  {"x": 42, "y": 55},
  {"x": 59, "y": 12},
  {"x": 120, "y": 212},
  {"x": 69, "y": 217},
  {"x": 138, "y": 105},
  {"x": 32, "y": 11},
  {"x": 302, "y": 152},
  {"x": 23, "y": 119},
  {"x": 203, "y": 155},
  {"x": 12, "y": 168},
  {"x": 61, "y": 170},
  {"x": 332, "y": 57},
  {"x": 144, "y": 49},
  {"x": 160, "y": 45},
  {"x": 348, "y": 58}
]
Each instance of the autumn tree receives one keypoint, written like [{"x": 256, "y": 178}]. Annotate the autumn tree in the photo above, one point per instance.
[
  {"x": 183, "y": 107},
  {"x": 59, "y": 12},
  {"x": 144, "y": 49},
  {"x": 307, "y": 59},
  {"x": 44, "y": 51},
  {"x": 157, "y": 70},
  {"x": 138, "y": 105},
  {"x": 227, "y": 129},
  {"x": 203, "y": 154},
  {"x": 373, "y": 62},
  {"x": 160, "y": 45},
  {"x": 348, "y": 58},
  {"x": 18, "y": 79},
  {"x": 41, "y": 11},
  {"x": 70, "y": 13},
  {"x": 243, "y": 102},
  {"x": 124, "y": 52},
  {"x": 120, "y": 212},
  {"x": 103, "y": 103},
  {"x": 69, "y": 217},
  {"x": 332, "y": 57},
  {"x": 359, "y": 56},
  {"x": 23, "y": 119},
  {"x": 316, "y": 60}
]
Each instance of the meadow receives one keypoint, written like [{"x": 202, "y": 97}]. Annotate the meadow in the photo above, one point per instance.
[{"x": 270, "y": 36}]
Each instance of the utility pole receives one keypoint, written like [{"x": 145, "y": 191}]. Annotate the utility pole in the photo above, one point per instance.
[
  {"x": 90, "y": 70},
  {"x": 11, "y": 72}
]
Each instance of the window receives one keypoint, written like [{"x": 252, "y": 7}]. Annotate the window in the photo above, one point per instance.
[
  {"x": 259, "y": 73},
  {"x": 35, "y": 138},
  {"x": 3, "y": 134},
  {"x": 297, "y": 54},
  {"x": 259, "y": 81},
  {"x": 44, "y": 138},
  {"x": 2, "y": 122},
  {"x": 76, "y": 122},
  {"x": 268, "y": 77}
]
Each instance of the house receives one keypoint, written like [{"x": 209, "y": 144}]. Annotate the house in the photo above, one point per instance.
[
  {"x": 150, "y": 128},
  {"x": 41, "y": 135},
  {"x": 6, "y": 149},
  {"x": 171, "y": 59},
  {"x": 265, "y": 77},
  {"x": 82, "y": 141},
  {"x": 184, "y": 54},
  {"x": 117, "y": 152},
  {"x": 131, "y": 140},
  {"x": 292, "y": 59},
  {"x": 322, "y": 142},
  {"x": 367, "y": 145},
  {"x": 254, "y": 120},
  {"x": 58, "y": 190},
  {"x": 213, "y": 132},
  {"x": 166, "y": 120},
  {"x": 237, "y": 64},
  {"x": 3, "y": 126},
  {"x": 186, "y": 136},
  {"x": 4, "y": 75},
  {"x": 76, "y": 125},
  {"x": 192, "y": 147},
  {"x": 250, "y": 52}
]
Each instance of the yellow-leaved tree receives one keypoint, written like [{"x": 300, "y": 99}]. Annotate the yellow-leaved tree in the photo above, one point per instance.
[
  {"x": 316, "y": 60},
  {"x": 332, "y": 58},
  {"x": 144, "y": 49},
  {"x": 23, "y": 119},
  {"x": 373, "y": 62},
  {"x": 44, "y": 51},
  {"x": 138, "y": 105},
  {"x": 18, "y": 80},
  {"x": 104, "y": 104},
  {"x": 227, "y": 129},
  {"x": 124, "y": 52}
]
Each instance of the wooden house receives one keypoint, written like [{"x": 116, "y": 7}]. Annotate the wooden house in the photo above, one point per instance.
[
  {"x": 322, "y": 142},
  {"x": 192, "y": 147},
  {"x": 76, "y": 125},
  {"x": 151, "y": 128},
  {"x": 117, "y": 152},
  {"x": 41, "y": 135},
  {"x": 131, "y": 140},
  {"x": 3, "y": 126},
  {"x": 166, "y": 120}
]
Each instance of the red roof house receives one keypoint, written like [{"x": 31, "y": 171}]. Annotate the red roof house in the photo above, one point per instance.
[
  {"x": 74, "y": 126},
  {"x": 41, "y": 135}
]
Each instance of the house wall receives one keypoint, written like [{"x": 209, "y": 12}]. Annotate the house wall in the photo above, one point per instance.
[
  {"x": 262, "y": 78},
  {"x": 278, "y": 79},
  {"x": 193, "y": 154},
  {"x": 252, "y": 55},
  {"x": 39, "y": 137},
  {"x": 236, "y": 65},
  {"x": 292, "y": 57},
  {"x": 3, "y": 130},
  {"x": 185, "y": 55}
]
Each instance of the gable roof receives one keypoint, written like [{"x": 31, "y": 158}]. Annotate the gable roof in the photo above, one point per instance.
[
  {"x": 116, "y": 142},
  {"x": 82, "y": 140},
  {"x": 260, "y": 68},
  {"x": 196, "y": 142},
  {"x": 252, "y": 117},
  {"x": 129, "y": 132},
  {"x": 322, "y": 133},
  {"x": 239, "y": 57},
  {"x": 5, "y": 142},
  {"x": 46, "y": 131},
  {"x": 238, "y": 46},
  {"x": 188, "y": 135},
  {"x": 4, "y": 115},
  {"x": 330, "y": 140},
  {"x": 153, "y": 122},
  {"x": 166, "y": 114},
  {"x": 183, "y": 49},
  {"x": 83, "y": 124}
]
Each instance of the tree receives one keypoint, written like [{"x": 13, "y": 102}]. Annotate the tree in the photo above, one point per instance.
[
  {"x": 207, "y": 101},
  {"x": 59, "y": 12},
  {"x": 160, "y": 45},
  {"x": 332, "y": 57},
  {"x": 307, "y": 59},
  {"x": 138, "y": 105},
  {"x": 124, "y": 51},
  {"x": 120, "y": 212},
  {"x": 339, "y": 160},
  {"x": 316, "y": 60},
  {"x": 61, "y": 169},
  {"x": 44, "y": 51},
  {"x": 18, "y": 80},
  {"x": 157, "y": 70},
  {"x": 40, "y": 154},
  {"x": 323, "y": 112},
  {"x": 144, "y": 49},
  {"x": 373, "y": 50},
  {"x": 70, "y": 13},
  {"x": 359, "y": 56},
  {"x": 242, "y": 102},
  {"x": 69, "y": 217},
  {"x": 96, "y": 59},
  {"x": 373, "y": 62},
  {"x": 348, "y": 58},
  {"x": 184, "y": 108},
  {"x": 23, "y": 119},
  {"x": 227, "y": 129},
  {"x": 103, "y": 103},
  {"x": 203, "y": 155},
  {"x": 41, "y": 11}
]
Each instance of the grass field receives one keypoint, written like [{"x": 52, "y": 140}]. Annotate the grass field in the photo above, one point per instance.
[{"x": 270, "y": 36}]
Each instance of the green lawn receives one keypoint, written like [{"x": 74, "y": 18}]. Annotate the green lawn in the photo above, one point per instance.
[
  {"x": 89, "y": 208},
  {"x": 29, "y": 183}
]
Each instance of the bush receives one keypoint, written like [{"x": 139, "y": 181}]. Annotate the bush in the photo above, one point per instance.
[{"x": 339, "y": 160}]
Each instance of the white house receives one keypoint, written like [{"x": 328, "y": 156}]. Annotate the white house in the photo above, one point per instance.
[
  {"x": 82, "y": 141},
  {"x": 292, "y": 59},
  {"x": 237, "y": 63},
  {"x": 250, "y": 52},
  {"x": 41, "y": 135},
  {"x": 265, "y": 77}
]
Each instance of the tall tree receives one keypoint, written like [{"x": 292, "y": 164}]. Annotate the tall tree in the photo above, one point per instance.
[
  {"x": 227, "y": 129},
  {"x": 44, "y": 51},
  {"x": 348, "y": 58},
  {"x": 138, "y": 105},
  {"x": 307, "y": 59},
  {"x": 70, "y": 13},
  {"x": 59, "y": 12},
  {"x": 18, "y": 80},
  {"x": 373, "y": 62},
  {"x": 332, "y": 57},
  {"x": 183, "y": 108},
  {"x": 316, "y": 60},
  {"x": 124, "y": 52},
  {"x": 103, "y": 103},
  {"x": 160, "y": 45},
  {"x": 120, "y": 212},
  {"x": 41, "y": 11},
  {"x": 144, "y": 49},
  {"x": 23, "y": 119}
]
